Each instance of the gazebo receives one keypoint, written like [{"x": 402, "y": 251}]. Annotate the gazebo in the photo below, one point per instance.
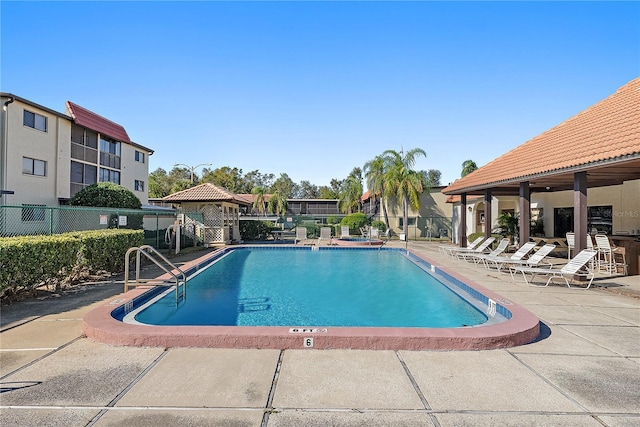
[{"x": 209, "y": 213}]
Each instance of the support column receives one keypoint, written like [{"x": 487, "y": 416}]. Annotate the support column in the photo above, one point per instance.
[
  {"x": 463, "y": 220},
  {"x": 487, "y": 213},
  {"x": 580, "y": 210},
  {"x": 525, "y": 213}
]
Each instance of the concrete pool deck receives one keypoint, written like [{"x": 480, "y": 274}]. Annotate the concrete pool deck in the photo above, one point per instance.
[{"x": 583, "y": 370}]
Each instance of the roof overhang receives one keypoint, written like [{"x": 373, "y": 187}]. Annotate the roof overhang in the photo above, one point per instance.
[{"x": 599, "y": 174}]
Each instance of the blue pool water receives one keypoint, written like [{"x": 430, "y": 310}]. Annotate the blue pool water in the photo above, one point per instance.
[{"x": 303, "y": 287}]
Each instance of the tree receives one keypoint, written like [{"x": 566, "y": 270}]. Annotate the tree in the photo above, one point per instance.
[
  {"x": 159, "y": 184},
  {"x": 106, "y": 195},
  {"x": 403, "y": 182},
  {"x": 308, "y": 190},
  {"x": 258, "y": 203},
  {"x": 278, "y": 203},
  {"x": 350, "y": 195},
  {"x": 285, "y": 186},
  {"x": 432, "y": 177},
  {"x": 374, "y": 171},
  {"x": 228, "y": 178},
  {"x": 468, "y": 166},
  {"x": 256, "y": 179}
]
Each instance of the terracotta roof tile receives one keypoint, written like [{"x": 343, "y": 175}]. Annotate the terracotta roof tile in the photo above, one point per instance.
[
  {"x": 93, "y": 121},
  {"x": 607, "y": 130},
  {"x": 206, "y": 192}
]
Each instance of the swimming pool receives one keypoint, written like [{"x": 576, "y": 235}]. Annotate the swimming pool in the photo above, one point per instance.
[
  {"x": 507, "y": 324},
  {"x": 313, "y": 288}
]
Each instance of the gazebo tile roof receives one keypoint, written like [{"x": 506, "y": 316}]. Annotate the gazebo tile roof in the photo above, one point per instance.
[{"x": 206, "y": 192}]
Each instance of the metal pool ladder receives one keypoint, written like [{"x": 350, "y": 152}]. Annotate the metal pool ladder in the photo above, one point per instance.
[{"x": 180, "y": 279}]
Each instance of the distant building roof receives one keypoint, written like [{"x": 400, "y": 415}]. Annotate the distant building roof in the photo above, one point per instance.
[
  {"x": 206, "y": 192},
  {"x": 604, "y": 134}
]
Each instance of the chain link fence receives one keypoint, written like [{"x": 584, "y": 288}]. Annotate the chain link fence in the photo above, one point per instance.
[
  {"x": 47, "y": 220},
  {"x": 420, "y": 228}
]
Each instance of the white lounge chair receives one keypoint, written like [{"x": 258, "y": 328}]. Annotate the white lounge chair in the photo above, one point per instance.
[
  {"x": 576, "y": 267},
  {"x": 301, "y": 234},
  {"x": 500, "y": 261},
  {"x": 476, "y": 258},
  {"x": 534, "y": 260},
  {"x": 482, "y": 248},
  {"x": 344, "y": 231},
  {"x": 445, "y": 248},
  {"x": 325, "y": 234}
]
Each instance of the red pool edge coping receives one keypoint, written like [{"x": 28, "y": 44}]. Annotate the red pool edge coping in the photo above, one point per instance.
[{"x": 522, "y": 328}]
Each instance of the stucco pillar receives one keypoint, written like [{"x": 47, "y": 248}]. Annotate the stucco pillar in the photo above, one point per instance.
[
  {"x": 463, "y": 220},
  {"x": 580, "y": 210},
  {"x": 487, "y": 213},
  {"x": 525, "y": 213}
]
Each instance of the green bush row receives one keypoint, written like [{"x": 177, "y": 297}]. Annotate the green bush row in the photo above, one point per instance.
[{"x": 28, "y": 261}]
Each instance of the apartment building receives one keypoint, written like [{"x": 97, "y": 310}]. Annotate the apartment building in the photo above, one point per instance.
[{"x": 46, "y": 157}]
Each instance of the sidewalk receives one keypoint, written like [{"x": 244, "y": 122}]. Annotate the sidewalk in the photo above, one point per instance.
[{"x": 583, "y": 371}]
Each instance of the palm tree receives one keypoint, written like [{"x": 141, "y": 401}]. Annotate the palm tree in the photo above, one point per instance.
[
  {"x": 278, "y": 203},
  {"x": 403, "y": 182},
  {"x": 350, "y": 195},
  {"x": 468, "y": 166},
  {"x": 258, "y": 203},
  {"x": 374, "y": 171}
]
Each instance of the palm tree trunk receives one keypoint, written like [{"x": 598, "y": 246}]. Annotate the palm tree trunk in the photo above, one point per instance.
[
  {"x": 405, "y": 217},
  {"x": 384, "y": 211}
]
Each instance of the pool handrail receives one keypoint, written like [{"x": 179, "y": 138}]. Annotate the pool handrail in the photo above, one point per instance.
[{"x": 143, "y": 250}]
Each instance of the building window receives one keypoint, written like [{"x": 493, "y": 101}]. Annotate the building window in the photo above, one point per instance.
[
  {"x": 34, "y": 167},
  {"x": 34, "y": 120},
  {"x": 139, "y": 156},
  {"x": 109, "y": 153},
  {"x": 411, "y": 222},
  {"x": 83, "y": 174},
  {"x": 31, "y": 213},
  {"x": 107, "y": 175},
  {"x": 138, "y": 185}
]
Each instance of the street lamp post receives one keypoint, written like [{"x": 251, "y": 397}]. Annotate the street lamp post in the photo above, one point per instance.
[{"x": 192, "y": 168}]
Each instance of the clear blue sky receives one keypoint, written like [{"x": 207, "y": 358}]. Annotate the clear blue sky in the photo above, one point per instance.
[{"x": 314, "y": 89}]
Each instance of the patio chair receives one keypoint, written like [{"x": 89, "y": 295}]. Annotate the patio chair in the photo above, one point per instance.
[
  {"x": 476, "y": 258},
  {"x": 501, "y": 261},
  {"x": 325, "y": 234},
  {"x": 575, "y": 267},
  {"x": 445, "y": 248},
  {"x": 571, "y": 243},
  {"x": 535, "y": 260},
  {"x": 344, "y": 231},
  {"x": 374, "y": 233},
  {"x": 606, "y": 259},
  {"x": 482, "y": 248},
  {"x": 301, "y": 234}
]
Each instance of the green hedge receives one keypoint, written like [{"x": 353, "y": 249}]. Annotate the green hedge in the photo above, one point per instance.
[{"x": 28, "y": 261}]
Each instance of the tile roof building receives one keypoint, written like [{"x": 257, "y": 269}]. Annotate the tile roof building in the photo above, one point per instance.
[
  {"x": 46, "y": 157},
  {"x": 604, "y": 139},
  {"x": 584, "y": 173}
]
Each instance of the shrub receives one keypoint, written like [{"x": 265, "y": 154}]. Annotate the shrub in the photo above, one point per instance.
[
  {"x": 27, "y": 262},
  {"x": 106, "y": 195},
  {"x": 380, "y": 225},
  {"x": 256, "y": 230},
  {"x": 355, "y": 221}
]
